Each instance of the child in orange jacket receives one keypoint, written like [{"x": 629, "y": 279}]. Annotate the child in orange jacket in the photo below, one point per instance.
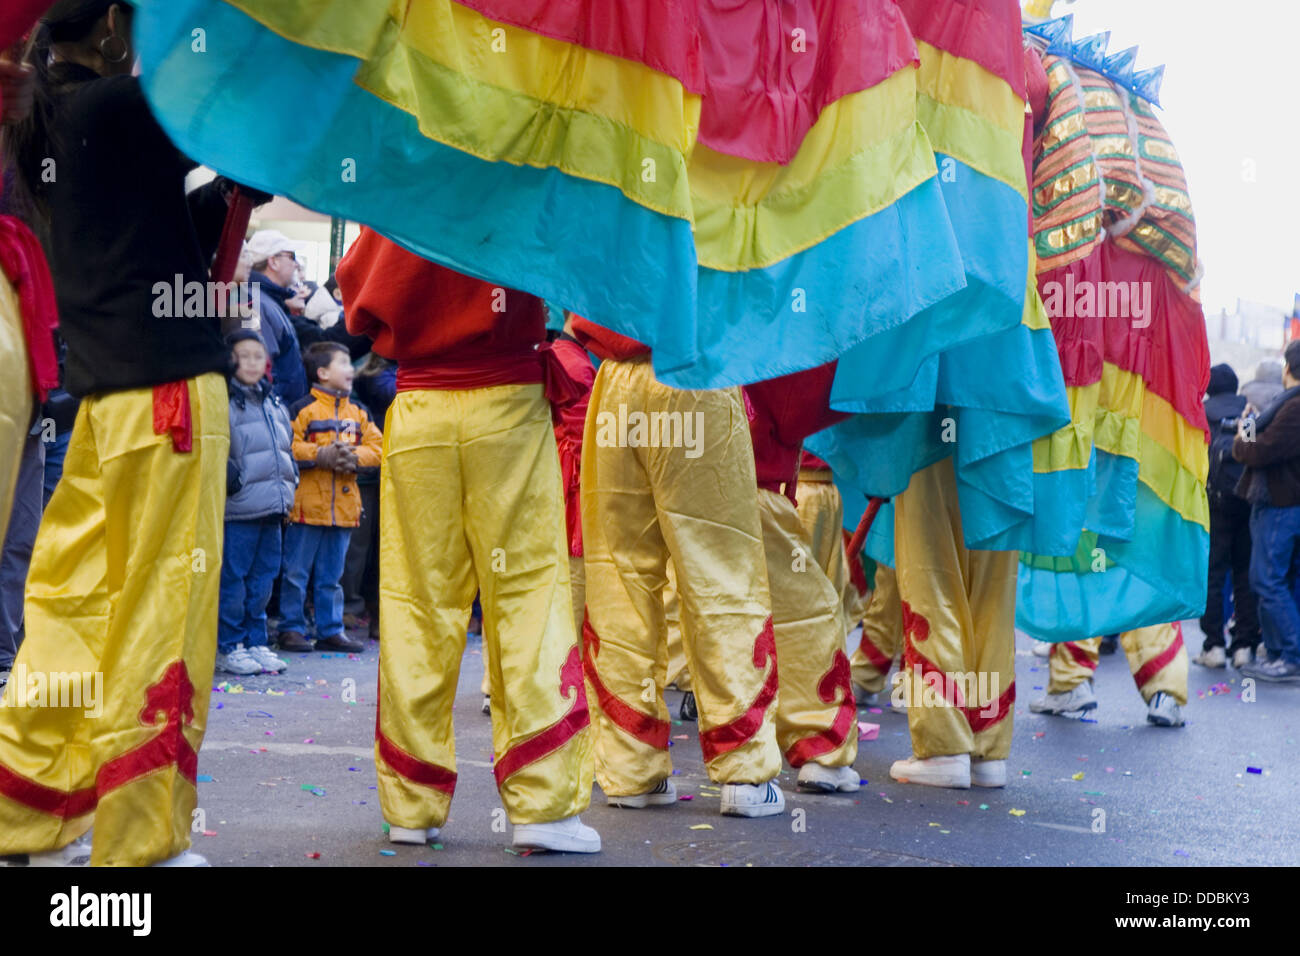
[{"x": 333, "y": 440}]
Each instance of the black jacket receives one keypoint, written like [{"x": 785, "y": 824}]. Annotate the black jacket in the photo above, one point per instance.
[{"x": 120, "y": 225}]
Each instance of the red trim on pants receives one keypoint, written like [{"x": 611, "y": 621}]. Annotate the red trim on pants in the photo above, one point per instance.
[
  {"x": 172, "y": 699},
  {"x": 916, "y": 625},
  {"x": 411, "y": 767},
  {"x": 720, "y": 740},
  {"x": 1154, "y": 666},
  {"x": 874, "y": 654},
  {"x": 646, "y": 728},
  {"x": 1081, "y": 657},
  {"x": 837, "y": 678},
  {"x": 559, "y": 733}
]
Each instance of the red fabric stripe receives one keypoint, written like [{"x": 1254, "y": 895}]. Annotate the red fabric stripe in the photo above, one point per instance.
[
  {"x": 413, "y": 768},
  {"x": 558, "y": 734},
  {"x": 837, "y": 678},
  {"x": 976, "y": 718},
  {"x": 986, "y": 31},
  {"x": 720, "y": 740},
  {"x": 1170, "y": 353},
  {"x": 171, "y": 414},
  {"x": 662, "y": 34},
  {"x": 46, "y": 799},
  {"x": 644, "y": 727},
  {"x": 1081, "y": 657},
  {"x": 874, "y": 654},
  {"x": 1158, "y": 663},
  {"x": 766, "y": 84}
]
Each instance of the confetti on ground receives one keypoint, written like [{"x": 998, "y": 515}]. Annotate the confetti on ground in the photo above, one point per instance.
[
  {"x": 310, "y": 740},
  {"x": 204, "y": 778},
  {"x": 984, "y": 806},
  {"x": 269, "y": 733},
  {"x": 313, "y": 856},
  {"x": 1016, "y": 813},
  {"x": 353, "y": 769},
  {"x": 1094, "y": 793},
  {"x": 868, "y": 731},
  {"x": 258, "y": 713},
  {"x": 274, "y": 693},
  {"x": 682, "y": 737},
  {"x": 310, "y": 788},
  {"x": 436, "y": 846},
  {"x": 1181, "y": 853},
  {"x": 963, "y": 803},
  {"x": 702, "y": 826},
  {"x": 688, "y": 796},
  {"x": 1254, "y": 770},
  {"x": 936, "y": 824},
  {"x": 1077, "y": 776},
  {"x": 1110, "y": 769},
  {"x": 945, "y": 831},
  {"x": 209, "y": 832},
  {"x": 1041, "y": 733},
  {"x": 388, "y": 853},
  {"x": 219, "y": 706},
  {"x": 1025, "y": 773}
]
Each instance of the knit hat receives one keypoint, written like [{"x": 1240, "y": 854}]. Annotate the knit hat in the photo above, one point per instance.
[{"x": 1222, "y": 379}]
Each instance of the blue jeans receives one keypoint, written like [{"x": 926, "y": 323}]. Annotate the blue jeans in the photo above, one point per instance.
[
  {"x": 1275, "y": 533},
  {"x": 55, "y": 452},
  {"x": 250, "y": 563},
  {"x": 311, "y": 548}
]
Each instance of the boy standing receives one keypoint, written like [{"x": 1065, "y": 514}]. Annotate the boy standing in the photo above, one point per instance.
[
  {"x": 333, "y": 439},
  {"x": 260, "y": 481}
]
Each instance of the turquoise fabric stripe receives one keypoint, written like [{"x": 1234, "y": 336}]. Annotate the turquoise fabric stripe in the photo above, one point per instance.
[{"x": 1157, "y": 577}]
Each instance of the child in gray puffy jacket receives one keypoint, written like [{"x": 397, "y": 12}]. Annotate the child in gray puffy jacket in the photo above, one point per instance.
[{"x": 260, "y": 480}]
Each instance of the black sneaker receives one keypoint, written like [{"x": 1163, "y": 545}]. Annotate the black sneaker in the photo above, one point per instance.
[
  {"x": 1109, "y": 644},
  {"x": 688, "y": 710}
]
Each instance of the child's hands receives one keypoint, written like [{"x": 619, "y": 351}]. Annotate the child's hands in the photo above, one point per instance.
[
  {"x": 347, "y": 459},
  {"x": 328, "y": 456}
]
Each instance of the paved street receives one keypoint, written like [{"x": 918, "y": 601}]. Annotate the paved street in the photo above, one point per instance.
[{"x": 292, "y": 773}]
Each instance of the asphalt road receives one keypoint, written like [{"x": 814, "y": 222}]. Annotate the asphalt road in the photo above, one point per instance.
[{"x": 287, "y": 770}]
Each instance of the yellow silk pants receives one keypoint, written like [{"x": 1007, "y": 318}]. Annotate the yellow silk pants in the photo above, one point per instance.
[
  {"x": 882, "y": 633},
  {"x": 816, "y": 716},
  {"x": 958, "y": 610},
  {"x": 123, "y": 591},
  {"x": 578, "y": 587},
  {"x": 15, "y": 396},
  {"x": 678, "y": 673},
  {"x": 471, "y": 502},
  {"x": 1156, "y": 658},
  {"x": 822, "y": 512},
  {"x": 646, "y": 501}
]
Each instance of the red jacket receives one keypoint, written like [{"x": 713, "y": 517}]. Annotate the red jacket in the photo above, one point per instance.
[
  {"x": 444, "y": 329},
  {"x": 606, "y": 343},
  {"x": 783, "y": 412}
]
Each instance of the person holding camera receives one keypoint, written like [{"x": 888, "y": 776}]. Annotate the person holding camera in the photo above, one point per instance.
[{"x": 1269, "y": 447}]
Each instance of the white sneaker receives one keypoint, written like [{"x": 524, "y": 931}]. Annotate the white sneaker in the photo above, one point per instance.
[
  {"x": 949, "y": 771},
  {"x": 569, "y": 835},
  {"x": 663, "y": 794},
  {"x": 1242, "y": 657},
  {"x": 988, "y": 773},
  {"x": 188, "y": 858},
  {"x": 752, "y": 799},
  {"x": 266, "y": 657},
  {"x": 1042, "y": 648},
  {"x": 416, "y": 837},
  {"x": 815, "y": 778},
  {"x": 1163, "y": 711},
  {"x": 238, "y": 661},
  {"x": 1075, "y": 701},
  {"x": 1214, "y": 657}
]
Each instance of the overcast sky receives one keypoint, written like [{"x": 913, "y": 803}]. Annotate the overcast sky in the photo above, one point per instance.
[{"x": 1230, "y": 105}]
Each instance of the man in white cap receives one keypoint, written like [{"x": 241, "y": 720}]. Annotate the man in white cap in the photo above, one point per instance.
[{"x": 274, "y": 264}]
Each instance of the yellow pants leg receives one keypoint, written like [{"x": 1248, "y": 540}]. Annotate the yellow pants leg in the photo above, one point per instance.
[
  {"x": 695, "y": 502},
  {"x": 1158, "y": 660},
  {"x": 816, "y": 716},
  {"x": 123, "y": 591},
  {"x": 578, "y": 586},
  {"x": 882, "y": 634},
  {"x": 470, "y": 502},
  {"x": 1071, "y": 663},
  {"x": 678, "y": 673},
  {"x": 958, "y": 610},
  {"x": 15, "y": 397},
  {"x": 821, "y": 510}
]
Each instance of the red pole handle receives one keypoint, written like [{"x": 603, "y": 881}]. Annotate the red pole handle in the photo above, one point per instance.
[
  {"x": 238, "y": 214},
  {"x": 868, "y": 517}
]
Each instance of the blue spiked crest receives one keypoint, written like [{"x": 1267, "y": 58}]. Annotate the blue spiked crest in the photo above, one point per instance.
[
  {"x": 1119, "y": 66},
  {"x": 1091, "y": 51},
  {"x": 1147, "y": 84}
]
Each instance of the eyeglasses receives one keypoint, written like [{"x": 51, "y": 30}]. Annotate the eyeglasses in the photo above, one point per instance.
[{"x": 289, "y": 254}]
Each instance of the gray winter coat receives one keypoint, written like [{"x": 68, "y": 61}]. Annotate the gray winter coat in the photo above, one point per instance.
[{"x": 261, "y": 474}]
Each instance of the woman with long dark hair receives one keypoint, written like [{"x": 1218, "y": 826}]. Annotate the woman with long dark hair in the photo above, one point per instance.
[{"x": 124, "y": 580}]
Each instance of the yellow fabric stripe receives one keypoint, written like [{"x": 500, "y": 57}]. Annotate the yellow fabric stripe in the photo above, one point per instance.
[
  {"x": 501, "y": 125},
  {"x": 973, "y": 115},
  {"x": 1070, "y": 447},
  {"x": 864, "y": 152},
  {"x": 351, "y": 28}
]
